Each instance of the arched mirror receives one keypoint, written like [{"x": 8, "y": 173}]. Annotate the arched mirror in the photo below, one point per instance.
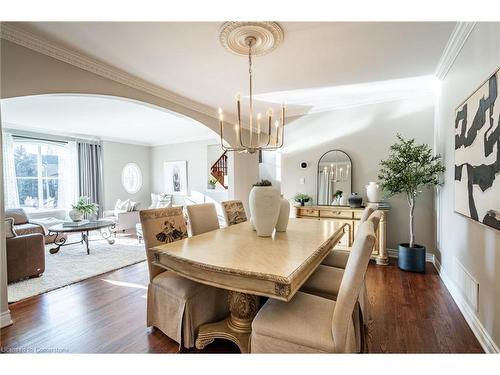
[{"x": 334, "y": 178}]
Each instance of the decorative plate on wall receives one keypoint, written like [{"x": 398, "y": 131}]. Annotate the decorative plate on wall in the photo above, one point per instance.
[{"x": 131, "y": 178}]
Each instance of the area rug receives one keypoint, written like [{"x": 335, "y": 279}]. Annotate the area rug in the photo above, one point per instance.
[{"x": 72, "y": 264}]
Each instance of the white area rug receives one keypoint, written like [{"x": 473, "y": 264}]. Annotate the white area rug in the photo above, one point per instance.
[{"x": 72, "y": 264}]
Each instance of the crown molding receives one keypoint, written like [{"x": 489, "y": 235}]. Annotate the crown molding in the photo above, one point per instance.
[
  {"x": 455, "y": 43},
  {"x": 36, "y": 43}
]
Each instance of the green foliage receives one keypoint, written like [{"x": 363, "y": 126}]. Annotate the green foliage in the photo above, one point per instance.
[
  {"x": 409, "y": 168},
  {"x": 84, "y": 206},
  {"x": 338, "y": 193},
  {"x": 263, "y": 183},
  {"x": 300, "y": 197},
  {"x": 212, "y": 181}
]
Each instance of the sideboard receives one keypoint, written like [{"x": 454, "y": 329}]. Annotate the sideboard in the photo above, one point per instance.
[{"x": 350, "y": 216}]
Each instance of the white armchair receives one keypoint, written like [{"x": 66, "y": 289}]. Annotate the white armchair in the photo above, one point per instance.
[{"x": 123, "y": 220}]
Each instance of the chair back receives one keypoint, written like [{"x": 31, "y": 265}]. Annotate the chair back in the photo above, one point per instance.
[
  {"x": 202, "y": 218},
  {"x": 369, "y": 209},
  {"x": 160, "y": 226},
  {"x": 234, "y": 212},
  {"x": 375, "y": 218},
  {"x": 350, "y": 286},
  {"x": 18, "y": 214}
]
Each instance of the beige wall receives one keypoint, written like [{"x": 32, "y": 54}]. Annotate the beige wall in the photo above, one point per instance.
[
  {"x": 474, "y": 245},
  {"x": 367, "y": 145}
]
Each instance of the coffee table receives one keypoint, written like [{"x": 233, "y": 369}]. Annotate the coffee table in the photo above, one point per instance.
[{"x": 105, "y": 226}]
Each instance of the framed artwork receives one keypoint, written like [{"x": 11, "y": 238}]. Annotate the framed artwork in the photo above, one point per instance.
[
  {"x": 477, "y": 154},
  {"x": 175, "y": 175}
]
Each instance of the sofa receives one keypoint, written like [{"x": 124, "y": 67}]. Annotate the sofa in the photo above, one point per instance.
[
  {"x": 24, "y": 225},
  {"x": 25, "y": 254}
]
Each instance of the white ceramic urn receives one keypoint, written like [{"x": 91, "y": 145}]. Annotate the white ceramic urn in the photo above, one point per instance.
[
  {"x": 283, "y": 216},
  {"x": 75, "y": 215},
  {"x": 264, "y": 202},
  {"x": 373, "y": 192}
]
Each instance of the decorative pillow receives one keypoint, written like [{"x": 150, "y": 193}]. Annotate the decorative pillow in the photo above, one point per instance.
[
  {"x": 134, "y": 206},
  {"x": 154, "y": 200},
  {"x": 164, "y": 201},
  {"x": 9, "y": 228},
  {"x": 122, "y": 206}
]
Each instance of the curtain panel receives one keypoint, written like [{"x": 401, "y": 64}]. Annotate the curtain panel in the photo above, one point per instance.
[{"x": 90, "y": 172}]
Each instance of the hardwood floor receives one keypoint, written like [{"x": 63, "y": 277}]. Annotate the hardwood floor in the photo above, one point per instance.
[{"x": 413, "y": 313}]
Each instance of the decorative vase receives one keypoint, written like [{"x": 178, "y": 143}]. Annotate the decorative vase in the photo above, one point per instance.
[
  {"x": 264, "y": 202},
  {"x": 283, "y": 216},
  {"x": 75, "y": 215},
  {"x": 355, "y": 200},
  {"x": 211, "y": 187},
  {"x": 373, "y": 192},
  {"x": 343, "y": 200}
]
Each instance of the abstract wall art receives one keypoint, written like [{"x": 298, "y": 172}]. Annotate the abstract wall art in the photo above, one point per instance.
[
  {"x": 175, "y": 174},
  {"x": 477, "y": 154}
]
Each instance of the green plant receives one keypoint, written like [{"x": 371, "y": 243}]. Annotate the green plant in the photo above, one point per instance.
[
  {"x": 409, "y": 168},
  {"x": 84, "y": 206},
  {"x": 338, "y": 193},
  {"x": 300, "y": 197},
  {"x": 212, "y": 181},
  {"x": 263, "y": 183}
]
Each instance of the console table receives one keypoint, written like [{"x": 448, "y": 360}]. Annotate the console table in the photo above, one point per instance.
[{"x": 350, "y": 216}]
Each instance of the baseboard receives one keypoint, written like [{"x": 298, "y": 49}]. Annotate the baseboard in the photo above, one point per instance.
[
  {"x": 471, "y": 318},
  {"x": 5, "y": 319},
  {"x": 393, "y": 253}
]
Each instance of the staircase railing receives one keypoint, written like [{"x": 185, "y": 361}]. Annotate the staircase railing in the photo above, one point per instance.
[{"x": 219, "y": 169}]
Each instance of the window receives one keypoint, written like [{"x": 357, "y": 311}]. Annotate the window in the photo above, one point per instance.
[
  {"x": 131, "y": 178},
  {"x": 40, "y": 169}
]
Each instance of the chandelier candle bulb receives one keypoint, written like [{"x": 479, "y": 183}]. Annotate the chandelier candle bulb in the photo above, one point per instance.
[{"x": 259, "y": 116}]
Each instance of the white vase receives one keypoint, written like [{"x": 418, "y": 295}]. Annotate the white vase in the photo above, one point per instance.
[
  {"x": 343, "y": 200},
  {"x": 373, "y": 192},
  {"x": 283, "y": 216},
  {"x": 264, "y": 202},
  {"x": 75, "y": 215}
]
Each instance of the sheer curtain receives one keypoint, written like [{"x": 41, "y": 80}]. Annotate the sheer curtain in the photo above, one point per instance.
[
  {"x": 67, "y": 171},
  {"x": 9, "y": 170}
]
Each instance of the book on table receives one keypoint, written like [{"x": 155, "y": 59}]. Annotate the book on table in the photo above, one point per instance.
[{"x": 75, "y": 224}]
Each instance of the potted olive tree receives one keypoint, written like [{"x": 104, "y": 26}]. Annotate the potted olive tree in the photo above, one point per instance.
[{"x": 409, "y": 168}]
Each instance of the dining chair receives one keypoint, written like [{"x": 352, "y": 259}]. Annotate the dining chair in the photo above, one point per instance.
[
  {"x": 175, "y": 305},
  {"x": 313, "y": 324},
  {"x": 202, "y": 218},
  {"x": 234, "y": 212},
  {"x": 325, "y": 282},
  {"x": 338, "y": 258}
]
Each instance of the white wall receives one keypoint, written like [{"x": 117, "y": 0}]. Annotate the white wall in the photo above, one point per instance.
[
  {"x": 474, "y": 245},
  {"x": 197, "y": 167},
  {"x": 114, "y": 157},
  {"x": 365, "y": 134}
]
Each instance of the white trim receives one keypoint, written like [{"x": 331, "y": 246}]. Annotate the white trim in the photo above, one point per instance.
[
  {"x": 455, "y": 43},
  {"x": 5, "y": 319},
  {"x": 36, "y": 43},
  {"x": 393, "y": 253},
  {"x": 470, "y": 316}
]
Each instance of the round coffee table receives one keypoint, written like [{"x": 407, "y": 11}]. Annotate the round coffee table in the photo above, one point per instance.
[{"x": 105, "y": 226}]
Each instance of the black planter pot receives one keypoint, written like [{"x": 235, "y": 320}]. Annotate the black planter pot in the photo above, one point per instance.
[{"x": 411, "y": 258}]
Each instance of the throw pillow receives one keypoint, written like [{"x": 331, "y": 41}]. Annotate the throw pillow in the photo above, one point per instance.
[
  {"x": 165, "y": 200},
  {"x": 134, "y": 206},
  {"x": 9, "y": 228},
  {"x": 154, "y": 200},
  {"x": 122, "y": 206}
]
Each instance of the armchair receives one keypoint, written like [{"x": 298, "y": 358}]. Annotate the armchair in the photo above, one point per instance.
[{"x": 25, "y": 256}]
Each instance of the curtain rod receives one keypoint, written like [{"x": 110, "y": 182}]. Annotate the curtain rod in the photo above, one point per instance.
[{"x": 39, "y": 139}]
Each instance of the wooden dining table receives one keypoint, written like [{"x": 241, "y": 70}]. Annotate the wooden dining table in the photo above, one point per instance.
[{"x": 236, "y": 259}]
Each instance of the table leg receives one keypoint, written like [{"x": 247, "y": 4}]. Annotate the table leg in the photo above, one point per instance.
[
  {"x": 237, "y": 327},
  {"x": 85, "y": 238},
  {"x": 58, "y": 242},
  {"x": 107, "y": 234}
]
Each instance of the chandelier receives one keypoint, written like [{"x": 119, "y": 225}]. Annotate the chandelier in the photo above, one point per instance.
[{"x": 263, "y": 134}]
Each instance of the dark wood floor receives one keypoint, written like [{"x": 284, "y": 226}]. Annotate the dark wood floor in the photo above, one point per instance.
[{"x": 413, "y": 313}]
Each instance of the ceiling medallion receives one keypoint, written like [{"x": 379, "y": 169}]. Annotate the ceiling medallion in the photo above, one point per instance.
[
  {"x": 253, "y": 39},
  {"x": 233, "y": 35}
]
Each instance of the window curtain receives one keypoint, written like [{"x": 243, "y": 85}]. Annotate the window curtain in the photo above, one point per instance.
[
  {"x": 90, "y": 172},
  {"x": 9, "y": 170},
  {"x": 67, "y": 171}
]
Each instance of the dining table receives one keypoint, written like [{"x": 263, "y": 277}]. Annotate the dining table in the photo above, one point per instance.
[{"x": 234, "y": 258}]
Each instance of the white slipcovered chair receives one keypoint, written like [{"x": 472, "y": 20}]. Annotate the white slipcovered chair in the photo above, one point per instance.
[
  {"x": 313, "y": 324},
  {"x": 177, "y": 306},
  {"x": 202, "y": 218}
]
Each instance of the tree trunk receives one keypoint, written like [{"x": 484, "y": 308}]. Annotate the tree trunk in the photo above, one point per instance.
[{"x": 412, "y": 225}]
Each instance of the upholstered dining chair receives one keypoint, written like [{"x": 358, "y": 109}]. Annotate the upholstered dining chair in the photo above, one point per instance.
[
  {"x": 338, "y": 258},
  {"x": 313, "y": 324},
  {"x": 176, "y": 306},
  {"x": 325, "y": 282},
  {"x": 234, "y": 212},
  {"x": 202, "y": 218}
]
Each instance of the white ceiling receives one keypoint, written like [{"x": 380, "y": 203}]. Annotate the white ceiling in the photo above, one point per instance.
[
  {"x": 186, "y": 58},
  {"x": 105, "y": 117}
]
